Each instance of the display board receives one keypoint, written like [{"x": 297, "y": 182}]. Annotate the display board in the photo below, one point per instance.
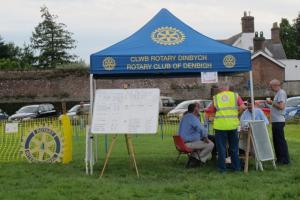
[
  {"x": 262, "y": 144},
  {"x": 209, "y": 77},
  {"x": 125, "y": 111}
]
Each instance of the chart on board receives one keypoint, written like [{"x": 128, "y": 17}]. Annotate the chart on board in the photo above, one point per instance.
[{"x": 125, "y": 111}]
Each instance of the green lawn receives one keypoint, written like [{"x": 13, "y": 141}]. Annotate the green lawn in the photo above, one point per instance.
[{"x": 161, "y": 178}]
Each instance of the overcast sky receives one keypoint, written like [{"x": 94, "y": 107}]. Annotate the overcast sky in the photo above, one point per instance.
[{"x": 97, "y": 24}]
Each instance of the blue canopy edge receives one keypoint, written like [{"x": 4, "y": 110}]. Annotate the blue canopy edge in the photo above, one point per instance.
[{"x": 166, "y": 45}]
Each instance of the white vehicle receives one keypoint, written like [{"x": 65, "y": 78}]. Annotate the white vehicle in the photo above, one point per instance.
[
  {"x": 74, "y": 110},
  {"x": 180, "y": 109},
  {"x": 166, "y": 104}
]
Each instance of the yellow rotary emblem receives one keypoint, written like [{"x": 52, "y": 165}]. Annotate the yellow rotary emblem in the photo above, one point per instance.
[
  {"x": 43, "y": 144},
  {"x": 229, "y": 61},
  {"x": 167, "y": 36},
  {"x": 109, "y": 63}
]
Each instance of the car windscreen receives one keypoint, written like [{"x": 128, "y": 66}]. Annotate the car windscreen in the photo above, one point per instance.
[
  {"x": 293, "y": 102},
  {"x": 168, "y": 102},
  {"x": 206, "y": 103},
  {"x": 74, "y": 108},
  {"x": 183, "y": 105},
  {"x": 28, "y": 109}
]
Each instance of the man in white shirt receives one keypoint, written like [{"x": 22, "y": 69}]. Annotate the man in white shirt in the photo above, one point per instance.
[
  {"x": 245, "y": 118},
  {"x": 247, "y": 115}
]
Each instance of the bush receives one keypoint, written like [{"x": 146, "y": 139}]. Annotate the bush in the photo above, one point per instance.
[{"x": 9, "y": 64}]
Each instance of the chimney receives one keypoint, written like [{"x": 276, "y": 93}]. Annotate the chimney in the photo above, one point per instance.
[
  {"x": 259, "y": 41},
  {"x": 247, "y": 23},
  {"x": 275, "y": 36}
]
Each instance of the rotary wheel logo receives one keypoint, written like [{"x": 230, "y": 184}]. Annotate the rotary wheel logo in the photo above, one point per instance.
[
  {"x": 167, "y": 36},
  {"x": 43, "y": 145},
  {"x": 225, "y": 98},
  {"x": 109, "y": 63},
  {"x": 229, "y": 61}
]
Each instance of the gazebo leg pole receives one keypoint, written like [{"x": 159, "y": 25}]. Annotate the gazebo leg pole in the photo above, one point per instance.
[
  {"x": 89, "y": 141},
  {"x": 252, "y": 93}
]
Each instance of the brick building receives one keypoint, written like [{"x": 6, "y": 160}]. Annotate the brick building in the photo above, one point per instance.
[{"x": 266, "y": 53}]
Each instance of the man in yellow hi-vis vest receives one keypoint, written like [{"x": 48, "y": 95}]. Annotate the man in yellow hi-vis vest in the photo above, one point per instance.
[{"x": 226, "y": 105}]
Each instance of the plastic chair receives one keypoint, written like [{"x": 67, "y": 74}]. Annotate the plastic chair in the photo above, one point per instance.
[{"x": 181, "y": 147}]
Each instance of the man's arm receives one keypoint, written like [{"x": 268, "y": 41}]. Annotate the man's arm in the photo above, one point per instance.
[
  {"x": 279, "y": 105},
  {"x": 279, "y": 102},
  {"x": 200, "y": 128},
  {"x": 241, "y": 104},
  {"x": 243, "y": 118}
]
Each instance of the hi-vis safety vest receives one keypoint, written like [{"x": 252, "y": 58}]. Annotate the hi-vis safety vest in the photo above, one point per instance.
[{"x": 226, "y": 117}]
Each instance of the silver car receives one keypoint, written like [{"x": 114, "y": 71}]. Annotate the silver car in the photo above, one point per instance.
[{"x": 177, "y": 113}]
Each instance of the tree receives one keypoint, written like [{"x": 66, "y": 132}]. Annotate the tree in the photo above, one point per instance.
[
  {"x": 8, "y": 50},
  {"x": 288, "y": 36},
  {"x": 52, "y": 41},
  {"x": 14, "y": 57},
  {"x": 297, "y": 29},
  {"x": 27, "y": 58}
]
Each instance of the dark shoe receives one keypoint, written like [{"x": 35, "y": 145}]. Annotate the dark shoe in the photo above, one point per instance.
[
  {"x": 282, "y": 162},
  {"x": 192, "y": 162}
]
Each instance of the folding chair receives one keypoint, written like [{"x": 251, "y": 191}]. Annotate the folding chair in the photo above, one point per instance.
[{"x": 181, "y": 147}]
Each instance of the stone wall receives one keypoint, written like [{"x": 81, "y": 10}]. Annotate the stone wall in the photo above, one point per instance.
[
  {"x": 73, "y": 85},
  {"x": 44, "y": 85}
]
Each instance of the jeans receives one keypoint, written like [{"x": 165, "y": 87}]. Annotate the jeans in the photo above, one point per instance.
[
  {"x": 222, "y": 136},
  {"x": 280, "y": 145}
]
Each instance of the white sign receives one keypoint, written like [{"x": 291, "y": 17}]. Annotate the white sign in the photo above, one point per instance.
[
  {"x": 209, "y": 77},
  {"x": 11, "y": 127},
  {"x": 262, "y": 144},
  {"x": 125, "y": 111}
]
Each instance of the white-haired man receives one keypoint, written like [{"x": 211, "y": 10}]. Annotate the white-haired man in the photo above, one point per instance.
[{"x": 278, "y": 122}]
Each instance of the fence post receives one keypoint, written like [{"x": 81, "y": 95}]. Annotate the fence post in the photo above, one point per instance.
[{"x": 68, "y": 144}]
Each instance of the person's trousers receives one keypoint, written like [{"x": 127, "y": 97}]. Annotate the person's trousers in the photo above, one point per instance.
[
  {"x": 222, "y": 137},
  {"x": 202, "y": 150},
  {"x": 214, "y": 151},
  {"x": 280, "y": 144}
]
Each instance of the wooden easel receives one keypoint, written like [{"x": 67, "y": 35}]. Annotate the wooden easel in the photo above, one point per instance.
[
  {"x": 130, "y": 150},
  {"x": 249, "y": 141}
]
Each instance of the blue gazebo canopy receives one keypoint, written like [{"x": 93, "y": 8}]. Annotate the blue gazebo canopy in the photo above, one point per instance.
[{"x": 166, "y": 45}]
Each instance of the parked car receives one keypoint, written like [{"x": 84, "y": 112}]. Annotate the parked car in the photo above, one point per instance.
[
  {"x": 34, "y": 111},
  {"x": 72, "y": 113},
  {"x": 166, "y": 104},
  {"x": 292, "y": 108},
  {"x": 3, "y": 115},
  {"x": 180, "y": 109}
]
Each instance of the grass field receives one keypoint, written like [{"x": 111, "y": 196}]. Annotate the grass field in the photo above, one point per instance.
[{"x": 161, "y": 178}]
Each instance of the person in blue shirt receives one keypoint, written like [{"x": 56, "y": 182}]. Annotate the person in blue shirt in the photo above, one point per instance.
[
  {"x": 245, "y": 118},
  {"x": 247, "y": 115},
  {"x": 195, "y": 136}
]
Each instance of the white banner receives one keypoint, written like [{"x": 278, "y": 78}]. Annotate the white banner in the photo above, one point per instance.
[{"x": 209, "y": 77}]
